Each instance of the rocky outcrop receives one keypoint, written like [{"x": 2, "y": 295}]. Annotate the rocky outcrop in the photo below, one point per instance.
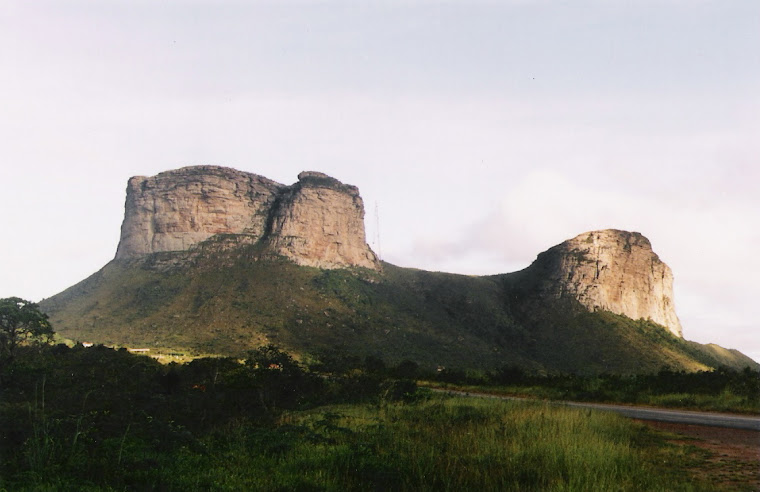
[
  {"x": 177, "y": 209},
  {"x": 610, "y": 270},
  {"x": 318, "y": 221}
]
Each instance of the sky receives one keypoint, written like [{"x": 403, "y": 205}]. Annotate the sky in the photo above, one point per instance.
[{"x": 479, "y": 132}]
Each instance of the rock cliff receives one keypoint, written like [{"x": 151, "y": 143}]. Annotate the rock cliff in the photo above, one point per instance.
[
  {"x": 219, "y": 299},
  {"x": 318, "y": 221},
  {"x": 177, "y": 209},
  {"x": 610, "y": 270}
]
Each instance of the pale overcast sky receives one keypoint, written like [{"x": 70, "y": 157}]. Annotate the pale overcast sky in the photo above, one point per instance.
[{"x": 482, "y": 132}]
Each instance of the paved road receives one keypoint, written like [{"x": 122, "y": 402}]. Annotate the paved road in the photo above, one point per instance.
[{"x": 726, "y": 420}]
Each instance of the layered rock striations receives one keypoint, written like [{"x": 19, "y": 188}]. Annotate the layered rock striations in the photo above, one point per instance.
[
  {"x": 610, "y": 270},
  {"x": 318, "y": 221},
  {"x": 177, "y": 209}
]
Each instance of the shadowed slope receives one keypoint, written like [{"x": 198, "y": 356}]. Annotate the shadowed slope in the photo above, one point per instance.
[{"x": 228, "y": 301}]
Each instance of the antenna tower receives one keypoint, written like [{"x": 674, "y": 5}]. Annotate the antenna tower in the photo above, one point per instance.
[{"x": 377, "y": 231}]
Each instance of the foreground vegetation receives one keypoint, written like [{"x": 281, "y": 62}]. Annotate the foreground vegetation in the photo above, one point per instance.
[
  {"x": 721, "y": 390},
  {"x": 102, "y": 419}
]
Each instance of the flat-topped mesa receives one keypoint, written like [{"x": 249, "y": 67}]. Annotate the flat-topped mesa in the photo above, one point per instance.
[
  {"x": 318, "y": 221},
  {"x": 177, "y": 209},
  {"x": 612, "y": 270}
]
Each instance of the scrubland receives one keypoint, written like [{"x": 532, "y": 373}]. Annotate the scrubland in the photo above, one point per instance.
[{"x": 101, "y": 419}]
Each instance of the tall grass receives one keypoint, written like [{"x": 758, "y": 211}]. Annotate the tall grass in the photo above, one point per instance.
[
  {"x": 440, "y": 444},
  {"x": 98, "y": 419}
]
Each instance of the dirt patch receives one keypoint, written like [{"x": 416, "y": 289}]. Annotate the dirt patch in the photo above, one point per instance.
[{"x": 732, "y": 457}]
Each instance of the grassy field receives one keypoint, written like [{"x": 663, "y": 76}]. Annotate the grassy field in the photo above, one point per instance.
[
  {"x": 439, "y": 444},
  {"x": 456, "y": 444},
  {"x": 101, "y": 419},
  {"x": 721, "y": 390}
]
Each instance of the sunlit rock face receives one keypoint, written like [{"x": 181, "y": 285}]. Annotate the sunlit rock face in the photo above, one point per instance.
[
  {"x": 611, "y": 270},
  {"x": 177, "y": 209},
  {"x": 318, "y": 221}
]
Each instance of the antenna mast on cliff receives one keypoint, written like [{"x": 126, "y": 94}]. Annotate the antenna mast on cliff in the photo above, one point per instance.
[{"x": 377, "y": 231}]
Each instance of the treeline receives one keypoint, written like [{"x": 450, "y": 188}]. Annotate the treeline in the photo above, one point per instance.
[
  {"x": 107, "y": 417},
  {"x": 720, "y": 389}
]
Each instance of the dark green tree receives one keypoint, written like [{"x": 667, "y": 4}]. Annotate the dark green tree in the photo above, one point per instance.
[
  {"x": 21, "y": 322},
  {"x": 279, "y": 381}
]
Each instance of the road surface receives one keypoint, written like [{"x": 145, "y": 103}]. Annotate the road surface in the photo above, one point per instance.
[{"x": 726, "y": 420}]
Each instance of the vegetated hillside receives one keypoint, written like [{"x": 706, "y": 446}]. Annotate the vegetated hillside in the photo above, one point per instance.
[{"x": 227, "y": 301}]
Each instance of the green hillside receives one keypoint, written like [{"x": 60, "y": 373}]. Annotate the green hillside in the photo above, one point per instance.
[{"x": 224, "y": 302}]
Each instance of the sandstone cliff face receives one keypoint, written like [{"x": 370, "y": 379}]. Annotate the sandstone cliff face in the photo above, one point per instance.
[
  {"x": 316, "y": 222},
  {"x": 319, "y": 222},
  {"x": 611, "y": 270},
  {"x": 178, "y": 209}
]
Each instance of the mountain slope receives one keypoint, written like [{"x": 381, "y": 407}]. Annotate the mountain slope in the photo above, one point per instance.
[
  {"x": 217, "y": 260},
  {"x": 229, "y": 301}
]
